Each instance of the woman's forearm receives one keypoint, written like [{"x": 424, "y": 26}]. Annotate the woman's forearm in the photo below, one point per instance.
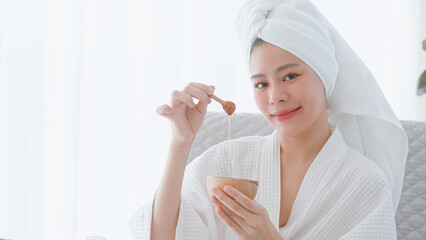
[{"x": 167, "y": 198}]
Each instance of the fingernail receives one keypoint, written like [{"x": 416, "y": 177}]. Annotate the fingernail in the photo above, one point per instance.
[{"x": 168, "y": 111}]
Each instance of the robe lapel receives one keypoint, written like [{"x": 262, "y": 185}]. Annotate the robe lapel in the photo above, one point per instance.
[
  {"x": 269, "y": 191},
  {"x": 321, "y": 171}
]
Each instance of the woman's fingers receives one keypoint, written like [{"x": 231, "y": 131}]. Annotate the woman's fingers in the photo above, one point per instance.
[
  {"x": 230, "y": 203},
  {"x": 197, "y": 93},
  {"x": 238, "y": 219},
  {"x": 193, "y": 90},
  {"x": 243, "y": 200},
  {"x": 229, "y": 221},
  {"x": 178, "y": 97},
  {"x": 206, "y": 88},
  {"x": 186, "y": 116},
  {"x": 165, "y": 110}
]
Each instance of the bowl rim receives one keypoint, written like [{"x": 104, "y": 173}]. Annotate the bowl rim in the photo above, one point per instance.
[{"x": 231, "y": 178}]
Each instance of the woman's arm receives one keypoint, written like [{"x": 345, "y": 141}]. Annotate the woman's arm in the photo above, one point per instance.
[
  {"x": 167, "y": 198},
  {"x": 186, "y": 119}
]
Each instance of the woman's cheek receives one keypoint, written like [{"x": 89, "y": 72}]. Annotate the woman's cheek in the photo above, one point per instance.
[{"x": 260, "y": 101}]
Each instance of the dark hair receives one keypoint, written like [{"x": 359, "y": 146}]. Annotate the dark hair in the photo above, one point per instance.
[{"x": 257, "y": 42}]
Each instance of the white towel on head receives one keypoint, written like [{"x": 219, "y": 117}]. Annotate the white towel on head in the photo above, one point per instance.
[{"x": 356, "y": 103}]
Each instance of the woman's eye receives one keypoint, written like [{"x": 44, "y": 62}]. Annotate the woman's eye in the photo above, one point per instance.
[
  {"x": 290, "y": 76},
  {"x": 260, "y": 85}
]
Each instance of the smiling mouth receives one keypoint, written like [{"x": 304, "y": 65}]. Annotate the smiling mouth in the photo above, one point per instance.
[
  {"x": 287, "y": 115},
  {"x": 278, "y": 115},
  {"x": 292, "y": 111}
]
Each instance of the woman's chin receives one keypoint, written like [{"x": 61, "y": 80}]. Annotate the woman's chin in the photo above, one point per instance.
[
  {"x": 287, "y": 132},
  {"x": 288, "y": 129}
]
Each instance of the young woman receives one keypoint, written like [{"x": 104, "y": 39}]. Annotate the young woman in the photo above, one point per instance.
[{"x": 333, "y": 167}]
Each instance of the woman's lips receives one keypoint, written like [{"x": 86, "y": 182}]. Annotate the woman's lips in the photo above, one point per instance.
[{"x": 286, "y": 114}]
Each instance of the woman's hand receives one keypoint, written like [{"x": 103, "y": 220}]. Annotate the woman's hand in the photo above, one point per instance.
[
  {"x": 185, "y": 116},
  {"x": 247, "y": 218}
]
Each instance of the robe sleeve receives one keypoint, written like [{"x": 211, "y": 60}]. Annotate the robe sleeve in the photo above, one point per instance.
[
  {"x": 374, "y": 211},
  {"x": 197, "y": 218},
  {"x": 140, "y": 222}
]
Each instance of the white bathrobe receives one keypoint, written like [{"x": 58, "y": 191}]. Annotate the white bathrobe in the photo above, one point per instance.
[{"x": 344, "y": 195}]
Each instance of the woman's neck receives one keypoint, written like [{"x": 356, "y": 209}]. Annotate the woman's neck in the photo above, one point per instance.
[{"x": 306, "y": 146}]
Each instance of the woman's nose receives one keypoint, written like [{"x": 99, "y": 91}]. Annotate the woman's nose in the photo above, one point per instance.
[{"x": 277, "y": 95}]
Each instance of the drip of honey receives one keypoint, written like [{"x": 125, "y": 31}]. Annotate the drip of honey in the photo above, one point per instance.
[
  {"x": 229, "y": 127},
  {"x": 228, "y": 169}
]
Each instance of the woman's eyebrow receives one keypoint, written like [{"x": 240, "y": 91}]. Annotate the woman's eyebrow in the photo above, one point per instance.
[{"x": 288, "y": 65}]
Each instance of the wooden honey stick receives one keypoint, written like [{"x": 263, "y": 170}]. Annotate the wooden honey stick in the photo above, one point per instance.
[{"x": 228, "y": 106}]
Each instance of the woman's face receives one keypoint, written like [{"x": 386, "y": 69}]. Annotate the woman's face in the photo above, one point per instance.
[{"x": 282, "y": 82}]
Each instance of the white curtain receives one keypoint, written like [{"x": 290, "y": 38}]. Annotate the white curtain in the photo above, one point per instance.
[{"x": 81, "y": 147}]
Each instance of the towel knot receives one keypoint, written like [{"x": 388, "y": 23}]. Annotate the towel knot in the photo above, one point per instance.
[{"x": 251, "y": 19}]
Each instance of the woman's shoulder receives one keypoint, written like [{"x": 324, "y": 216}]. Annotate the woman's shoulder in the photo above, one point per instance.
[{"x": 363, "y": 167}]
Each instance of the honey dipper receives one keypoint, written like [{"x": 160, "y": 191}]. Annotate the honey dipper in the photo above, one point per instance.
[{"x": 228, "y": 106}]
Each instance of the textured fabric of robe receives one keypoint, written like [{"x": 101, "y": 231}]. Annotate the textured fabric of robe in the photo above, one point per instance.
[{"x": 344, "y": 195}]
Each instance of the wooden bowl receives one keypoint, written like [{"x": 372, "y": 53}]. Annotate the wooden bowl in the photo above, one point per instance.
[{"x": 246, "y": 186}]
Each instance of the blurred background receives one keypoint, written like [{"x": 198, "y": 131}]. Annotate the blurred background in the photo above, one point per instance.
[{"x": 81, "y": 146}]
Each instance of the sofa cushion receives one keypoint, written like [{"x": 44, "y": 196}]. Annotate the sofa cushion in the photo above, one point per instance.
[{"x": 411, "y": 214}]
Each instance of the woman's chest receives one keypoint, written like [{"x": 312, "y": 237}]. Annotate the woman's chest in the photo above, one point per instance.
[{"x": 291, "y": 180}]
